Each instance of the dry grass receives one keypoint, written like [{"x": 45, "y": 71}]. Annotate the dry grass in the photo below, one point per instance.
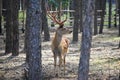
[{"x": 104, "y": 60}]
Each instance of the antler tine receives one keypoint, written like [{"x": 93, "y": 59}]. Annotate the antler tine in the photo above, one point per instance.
[
  {"x": 57, "y": 21},
  {"x": 61, "y": 22},
  {"x": 64, "y": 20},
  {"x": 52, "y": 16}
]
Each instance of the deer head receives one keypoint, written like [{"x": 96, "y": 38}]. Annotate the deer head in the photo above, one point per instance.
[{"x": 61, "y": 29}]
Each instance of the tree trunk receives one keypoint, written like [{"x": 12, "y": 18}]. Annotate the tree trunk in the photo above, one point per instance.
[
  {"x": 4, "y": 7},
  {"x": 119, "y": 21},
  {"x": 103, "y": 6},
  {"x": 25, "y": 42},
  {"x": 81, "y": 16},
  {"x": 23, "y": 8},
  {"x": 110, "y": 12},
  {"x": 8, "y": 26},
  {"x": 86, "y": 41},
  {"x": 34, "y": 25},
  {"x": 71, "y": 6},
  {"x": 119, "y": 16},
  {"x": 15, "y": 7},
  {"x": 95, "y": 19},
  {"x": 44, "y": 22},
  {"x": 76, "y": 21},
  {"x": 119, "y": 45},
  {"x": 0, "y": 16},
  {"x": 115, "y": 15},
  {"x": 59, "y": 9}
]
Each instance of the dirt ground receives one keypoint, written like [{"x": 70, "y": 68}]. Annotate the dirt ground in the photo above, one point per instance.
[{"x": 104, "y": 60}]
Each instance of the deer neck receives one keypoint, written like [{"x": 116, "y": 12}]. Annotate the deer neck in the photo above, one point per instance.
[{"x": 57, "y": 39}]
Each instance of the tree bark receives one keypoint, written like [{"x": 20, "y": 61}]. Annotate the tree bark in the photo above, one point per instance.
[
  {"x": 115, "y": 15},
  {"x": 34, "y": 25},
  {"x": 81, "y": 16},
  {"x": 119, "y": 21},
  {"x": 44, "y": 22},
  {"x": 86, "y": 41},
  {"x": 0, "y": 16},
  {"x": 110, "y": 12},
  {"x": 95, "y": 19},
  {"x": 119, "y": 45},
  {"x": 15, "y": 9},
  {"x": 119, "y": 16},
  {"x": 76, "y": 21},
  {"x": 59, "y": 9},
  {"x": 8, "y": 26},
  {"x": 103, "y": 6}
]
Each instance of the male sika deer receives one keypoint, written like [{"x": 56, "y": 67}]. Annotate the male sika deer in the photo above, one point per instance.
[{"x": 59, "y": 43}]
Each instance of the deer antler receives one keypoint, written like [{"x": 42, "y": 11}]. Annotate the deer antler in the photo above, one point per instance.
[
  {"x": 62, "y": 22},
  {"x": 52, "y": 16}
]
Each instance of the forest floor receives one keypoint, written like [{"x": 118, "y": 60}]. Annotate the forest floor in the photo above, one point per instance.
[{"x": 104, "y": 59}]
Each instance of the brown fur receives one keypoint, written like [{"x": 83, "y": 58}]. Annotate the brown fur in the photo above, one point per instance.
[{"x": 60, "y": 46}]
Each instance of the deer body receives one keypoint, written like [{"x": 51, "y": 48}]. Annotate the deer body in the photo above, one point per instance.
[
  {"x": 60, "y": 46},
  {"x": 59, "y": 43}
]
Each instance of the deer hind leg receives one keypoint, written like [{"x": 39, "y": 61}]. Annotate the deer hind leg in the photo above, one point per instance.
[{"x": 64, "y": 63}]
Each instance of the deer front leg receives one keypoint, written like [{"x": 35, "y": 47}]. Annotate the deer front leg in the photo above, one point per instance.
[
  {"x": 55, "y": 61},
  {"x": 56, "y": 69},
  {"x": 55, "y": 58},
  {"x": 60, "y": 63}
]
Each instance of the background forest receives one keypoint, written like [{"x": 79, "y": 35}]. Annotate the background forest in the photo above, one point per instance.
[{"x": 28, "y": 27}]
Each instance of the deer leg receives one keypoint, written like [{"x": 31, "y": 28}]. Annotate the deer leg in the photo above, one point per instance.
[
  {"x": 64, "y": 64},
  {"x": 60, "y": 63},
  {"x": 55, "y": 59}
]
